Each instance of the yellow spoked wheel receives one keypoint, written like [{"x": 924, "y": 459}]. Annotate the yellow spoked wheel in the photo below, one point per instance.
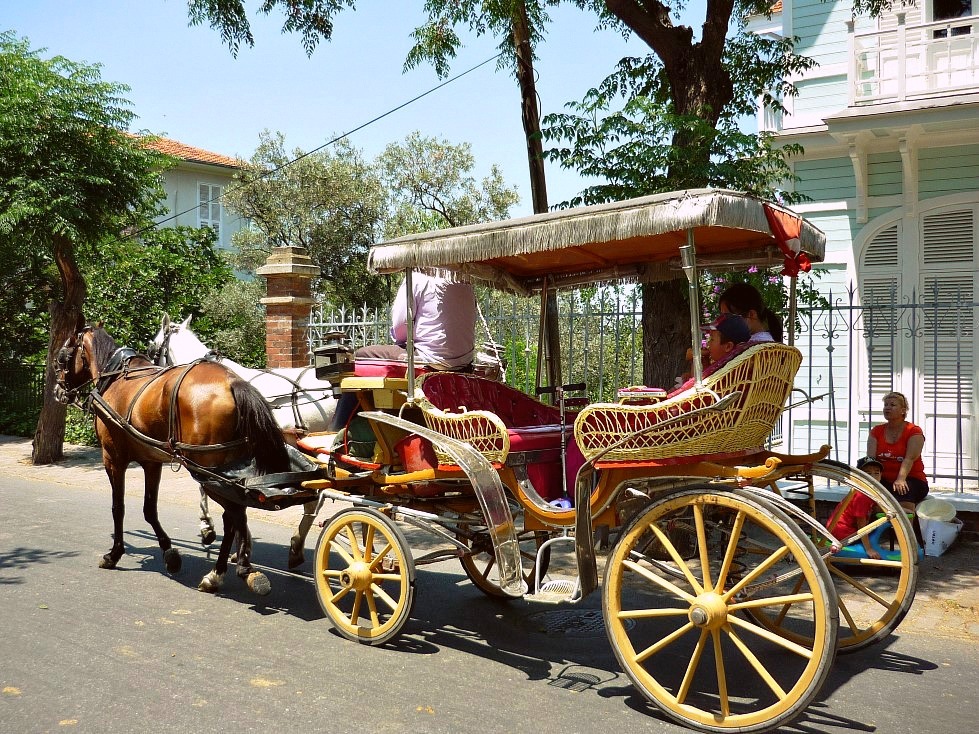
[
  {"x": 674, "y": 610},
  {"x": 874, "y": 595},
  {"x": 365, "y": 576},
  {"x": 480, "y": 563}
]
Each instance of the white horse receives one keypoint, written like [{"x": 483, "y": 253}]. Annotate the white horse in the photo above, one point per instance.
[{"x": 300, "y": 401}]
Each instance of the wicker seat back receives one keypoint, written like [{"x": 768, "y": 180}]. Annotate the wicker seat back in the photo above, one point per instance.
[{"x": 763, "y": 374}]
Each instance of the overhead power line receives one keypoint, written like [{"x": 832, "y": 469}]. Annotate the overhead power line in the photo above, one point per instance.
[{"x": 328, "y": 143}]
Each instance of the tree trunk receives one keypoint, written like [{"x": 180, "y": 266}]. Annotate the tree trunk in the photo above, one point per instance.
[
  {"x": 66, "y": 320},
  {"x": 530, "y": 116},
  {"x": 666, "y": 332},
  {"x": 700, "y": 85}
]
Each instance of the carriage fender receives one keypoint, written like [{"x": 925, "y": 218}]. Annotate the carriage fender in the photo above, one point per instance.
[{"x": 489, "y": 491}]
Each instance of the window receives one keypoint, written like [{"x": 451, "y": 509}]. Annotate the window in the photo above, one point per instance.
[
  {"x": 209, "y": 207},
  {"x": 949, "y": 10}
]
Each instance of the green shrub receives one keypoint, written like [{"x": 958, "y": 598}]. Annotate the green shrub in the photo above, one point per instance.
[{"x": 80, "y": 428}]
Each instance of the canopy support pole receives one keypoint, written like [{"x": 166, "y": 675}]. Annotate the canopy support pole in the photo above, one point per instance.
[{"x": 688, "y": 260}]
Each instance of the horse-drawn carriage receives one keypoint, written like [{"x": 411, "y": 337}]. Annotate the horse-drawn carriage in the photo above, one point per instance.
[{"x": 717, "y": 562}]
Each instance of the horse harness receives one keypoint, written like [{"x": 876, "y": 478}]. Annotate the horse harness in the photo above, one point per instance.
[
  {"x": 118, "y": 365},
  {"x": 159, "y": 355}
]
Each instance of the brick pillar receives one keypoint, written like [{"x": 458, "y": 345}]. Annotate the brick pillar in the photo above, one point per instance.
[{"x": 288, "y": 272}]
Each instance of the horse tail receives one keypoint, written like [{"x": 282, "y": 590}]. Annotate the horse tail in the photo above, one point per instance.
[{"x": 257, "y": 423}]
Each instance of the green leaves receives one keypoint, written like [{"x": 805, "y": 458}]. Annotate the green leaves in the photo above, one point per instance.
[
  {"x": 330, "y": 202},
  {"x": 431, "y": 186},
  {"x": 132, "y": 283}
]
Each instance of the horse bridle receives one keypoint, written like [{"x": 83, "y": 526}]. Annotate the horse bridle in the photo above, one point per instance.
[
  {"x": 159, "y": 354},
  {"x": 66, "y": 355}
]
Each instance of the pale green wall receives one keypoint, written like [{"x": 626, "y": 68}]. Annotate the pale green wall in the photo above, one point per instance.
[
  {"x": 181, "y": 188},
  {"x": 839, "y": 227},
  {"x": 950, "y": 170},
  {"x": 821, "y": 29},
  {"x": 830, "y": 179},
  {"x": 884, "y": 174},
  {"x": 821, "y": 96}
]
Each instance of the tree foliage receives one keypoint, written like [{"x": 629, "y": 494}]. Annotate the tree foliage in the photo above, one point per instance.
[
  {"x": 625, "y": 132},
  {"x": 312, "y": 19},
  {"x": 232, "y": 322},
  {"x": 331, "y": 203},
  {"x": 431, "y": 186},
  {"x": 133, "y": 282},
  {"x": 69, "y": 178}
]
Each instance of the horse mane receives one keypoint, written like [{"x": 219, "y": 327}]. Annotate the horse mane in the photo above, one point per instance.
[{"x": 103, "y": 346}]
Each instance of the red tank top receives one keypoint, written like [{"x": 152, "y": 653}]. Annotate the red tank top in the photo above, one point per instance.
[{"x": 891, "y": 455}]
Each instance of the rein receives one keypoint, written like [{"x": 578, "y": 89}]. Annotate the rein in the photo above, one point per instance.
[{"x": 119, "y": 364}]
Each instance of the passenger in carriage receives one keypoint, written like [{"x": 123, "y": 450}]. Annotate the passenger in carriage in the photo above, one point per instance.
[
  {"x": 744, "y": 300},
  {"x": 444, "y": 334},
  {"x": 727, "y": 336},
  {"x": 445, "y": 324}
]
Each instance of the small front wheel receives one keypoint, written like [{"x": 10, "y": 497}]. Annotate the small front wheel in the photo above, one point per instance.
[
  {"x": 365, "y": 576},
  {"x": 677, "y": 586}
]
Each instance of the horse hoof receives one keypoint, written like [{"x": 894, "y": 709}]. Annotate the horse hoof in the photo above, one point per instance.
[
  {"x": 108, "y": 561},
  {"x": 172, "y": 560},
  {"x": 296, "y": 560},
  {"x": 208, "y": 537},
  {"x": 211, "y": 583},
  {"x": 258, "y": 582},
  {"x": 233, "y": 558}
]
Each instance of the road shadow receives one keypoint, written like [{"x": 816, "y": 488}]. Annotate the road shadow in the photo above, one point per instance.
[{"x": 22, "y": 559}]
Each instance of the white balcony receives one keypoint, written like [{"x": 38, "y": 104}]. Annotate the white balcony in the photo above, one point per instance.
[{"x": 914, "y": 61}]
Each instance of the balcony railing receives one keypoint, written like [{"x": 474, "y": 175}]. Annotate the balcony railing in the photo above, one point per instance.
[{"x": 914, "y": 61}]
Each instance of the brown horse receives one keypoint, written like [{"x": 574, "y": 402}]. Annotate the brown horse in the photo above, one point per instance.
[{"x": 201, "y": 415}]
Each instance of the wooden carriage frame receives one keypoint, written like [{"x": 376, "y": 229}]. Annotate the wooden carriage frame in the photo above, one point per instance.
[{"x": 693, "y": 456}]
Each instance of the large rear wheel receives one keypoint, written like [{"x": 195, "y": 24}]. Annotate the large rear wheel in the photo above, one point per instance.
[
  {"x": 481, "y": 567},
  {"x": 874, "y": 595},
  {"x": 676, "y": 587}
]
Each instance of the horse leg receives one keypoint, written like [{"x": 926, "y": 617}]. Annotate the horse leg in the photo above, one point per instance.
[
  {"x": 117, "y": 480},
  {"x": 255, "y": 580},
  {"x": 213, "y": 581},
  {"x": 297, "y": 544},
  {"x": 151, "y": 497},
  {"x": 207, "y": 525}
]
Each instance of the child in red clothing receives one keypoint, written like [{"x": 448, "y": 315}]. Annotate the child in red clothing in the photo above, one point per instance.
[{"x": 855, "y": 515}]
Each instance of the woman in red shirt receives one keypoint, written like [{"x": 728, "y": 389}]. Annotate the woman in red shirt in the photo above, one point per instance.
[{"x": 897, "y": 445}]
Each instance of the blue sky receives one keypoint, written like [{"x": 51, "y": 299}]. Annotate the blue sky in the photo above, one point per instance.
[{"x": 186, "y": 85}]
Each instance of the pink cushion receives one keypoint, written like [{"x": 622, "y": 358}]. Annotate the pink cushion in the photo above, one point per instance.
[
  {"x": 537, "y": 438},
  {"x": 383, "y": 368}
]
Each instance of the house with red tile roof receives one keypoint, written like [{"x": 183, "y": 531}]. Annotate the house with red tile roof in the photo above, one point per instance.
[{"x": 194, "y": 189}]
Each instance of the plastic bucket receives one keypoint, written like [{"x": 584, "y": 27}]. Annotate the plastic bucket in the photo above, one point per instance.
[{"x": 933, "y": 508}]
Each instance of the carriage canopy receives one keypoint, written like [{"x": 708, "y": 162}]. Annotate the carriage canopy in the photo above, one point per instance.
[{"x": 636, "y": 240}]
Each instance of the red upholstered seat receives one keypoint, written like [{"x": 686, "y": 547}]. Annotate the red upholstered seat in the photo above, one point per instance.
[
  {"x": 452, "y": 391},
  {"x": 531, "y": 424},
  {"x": 536, "y": 438}
]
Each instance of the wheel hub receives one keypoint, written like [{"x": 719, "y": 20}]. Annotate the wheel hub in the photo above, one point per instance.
[
  {"x": 357, "y": 576},
  {"x": 709, "y": 611}
]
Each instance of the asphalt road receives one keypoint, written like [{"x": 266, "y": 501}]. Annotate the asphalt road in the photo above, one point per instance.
[{"x": 137, "y": 650}]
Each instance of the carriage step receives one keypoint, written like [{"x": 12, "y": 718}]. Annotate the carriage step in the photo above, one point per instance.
[{"x": 556, "y": 591}]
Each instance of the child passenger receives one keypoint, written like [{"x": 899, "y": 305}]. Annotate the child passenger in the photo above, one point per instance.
[
  {"x": 727, "y": 337},
  {"x": 856, "y": 514}
]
